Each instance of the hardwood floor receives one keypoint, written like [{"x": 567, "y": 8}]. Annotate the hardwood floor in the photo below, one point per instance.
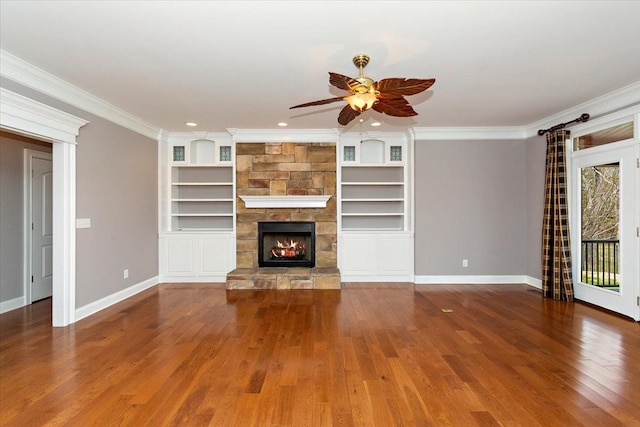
[{"x": 384, "y": 355}]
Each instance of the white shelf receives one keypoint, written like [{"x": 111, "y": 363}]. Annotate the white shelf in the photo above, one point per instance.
[
  {"x": 373, "y": 199},
  {"x": 372, "y": 183},
  {"x": 198, "y": 214},
  {"x": 202, "y": 197},
  {"x": 201, "y": 183},
  {"x": 202, "y": 200}
]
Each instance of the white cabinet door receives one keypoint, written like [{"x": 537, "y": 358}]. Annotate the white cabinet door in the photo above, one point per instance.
[
  {"x": 376, "y": 257},
  {"x": 215, "y": 255},
  {"x": 357, "y": 255},
  {"x": 178, "y": 256},
  {"x": 394, "y": 254},
  {"x": 194, "y": 257}
]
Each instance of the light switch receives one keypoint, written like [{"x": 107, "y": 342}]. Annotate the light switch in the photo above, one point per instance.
[{"x": 83, "y": 223}]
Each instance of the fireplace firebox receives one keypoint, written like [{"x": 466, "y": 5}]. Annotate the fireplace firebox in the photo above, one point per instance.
[{"x": 286, "y": 244}]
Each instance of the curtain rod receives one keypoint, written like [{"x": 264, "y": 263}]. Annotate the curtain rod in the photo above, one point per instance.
[{"x": 583, "y": 118}]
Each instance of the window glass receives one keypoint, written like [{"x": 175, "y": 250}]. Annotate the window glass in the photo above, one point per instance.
[{"x": 605, "y": 136}]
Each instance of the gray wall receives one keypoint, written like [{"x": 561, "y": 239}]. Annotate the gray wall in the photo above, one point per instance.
[
  {"x": 117, "y": 188},
  {"x": 12, "y": 213},
  {"x": 471, "y": 203},
  {"x": 536, "y": 156}
]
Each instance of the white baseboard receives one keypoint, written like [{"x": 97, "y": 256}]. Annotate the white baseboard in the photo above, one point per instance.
[
  {"x": 193, "y": 279},
  {"x": 360, "y": 278},
  {"x": 12, "y": 304},
  {"x": 536, "y": 283},
  {"x": 475, "y": 280},
  {"x": 107, "y": 301}
]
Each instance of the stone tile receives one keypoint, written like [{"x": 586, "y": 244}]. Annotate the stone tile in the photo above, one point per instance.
[
  {"x": 302, "y": 175},
  {"x": 326, "y": 271},
  {"x": 246, "y": 259},
  {"x": 324, "y": 242},
  {"x": 278, "y": 187},
  {"x": 265, "y": 167},
  {"x": 299, "y": 272},
  {"x": 284, "y": 282},
  {"x": 240, "y": 284},
  {"x": 253, "y": 192},
  {"x": 247, "y": 245},
  {"x": 323, "y": 282},
  {"x": 326, "y": 228},
  {"x": 326, "y": 259},
  {"x": 330, "y": 182},
  {"x": 320, "y": 154},
  {"x": 296, "y": 191},
  {"x": 317, "y": 179},
  {"x": 242, "y": 179},
  {"x": 250, "y": 148},
  {"x": 273, "y": 158},
  {"x": 288, "y": 148},
  {"x": 323, "y": 167},
  {"x": 259, "y": 183},
  {"x": 250, "y": 216},
  {"x": 292, "y": 166},
  {"x": 265, "y": 283},
  {"x": 301, "y": 216},
  {"x": 281, "y": 216},
  {"x": 301, "y": 154},
  {"x": 246, "y": 230},
  {"x": 325, "y": 217},
  {"x": 301, "y": 284},
  {"x": 244, "y": 163},
  {"x": 273, "y": 148}
]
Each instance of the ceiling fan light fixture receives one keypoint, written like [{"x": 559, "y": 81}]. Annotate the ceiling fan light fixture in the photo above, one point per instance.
[{"x": 361, "y": 101}]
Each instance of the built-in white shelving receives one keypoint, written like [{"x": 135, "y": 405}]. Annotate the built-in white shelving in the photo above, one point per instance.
[
  {"x": 202, "y": 197},
  {"x": 375, "y": 238},
  {"x": 373, "y": 196},
  {"x": 197, "y": 241}
]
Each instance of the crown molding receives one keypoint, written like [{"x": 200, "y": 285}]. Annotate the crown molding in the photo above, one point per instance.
[
  {"x": 469, "y": 133},
  {"x": 608, "y": 103},
  {"x": 284, "y": 135},
  {"x": 33, "y": 118},
  {"x": 186, "y": 137},
  {"x": 19, "y": 71}
]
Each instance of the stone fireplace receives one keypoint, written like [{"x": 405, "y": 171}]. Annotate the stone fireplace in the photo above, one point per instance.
[{"x": 287, "y": 179}]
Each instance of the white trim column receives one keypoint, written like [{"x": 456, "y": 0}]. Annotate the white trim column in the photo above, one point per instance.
[{"x": 25, "y": 116}]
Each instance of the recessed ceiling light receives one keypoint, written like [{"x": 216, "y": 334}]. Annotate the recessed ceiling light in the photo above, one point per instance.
[
  {"x": 282, "y": 124},
  {"x": 376, "y": 124},
  {"x": 192, "y": 124}
]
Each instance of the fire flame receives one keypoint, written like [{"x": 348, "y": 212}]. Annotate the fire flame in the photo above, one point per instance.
[{"x": 292, "y": 244}]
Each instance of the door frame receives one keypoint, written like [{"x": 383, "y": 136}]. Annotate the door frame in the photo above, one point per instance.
[
  {"x": 632, "y": 241},
  {"x": 22, "y": 115},
  {"x": 29, "y": 155}
]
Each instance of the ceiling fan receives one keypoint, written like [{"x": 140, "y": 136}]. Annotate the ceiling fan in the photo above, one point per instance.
[{"x": 384, "y": 96}]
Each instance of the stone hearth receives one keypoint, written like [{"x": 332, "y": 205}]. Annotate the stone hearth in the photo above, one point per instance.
[
  {"x": 284, "y": 278},
  {"x": 285, "y": 169}
]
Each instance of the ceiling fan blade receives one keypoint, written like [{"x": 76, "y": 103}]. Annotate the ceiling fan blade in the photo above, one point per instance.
[
  {"x": 320, "y": 102},
  {"x": 397, "y": 107},
  {"x": 347, "y": 114},
  {"x": 399, "y": 86},
  {"x": 342, "y": 82}
]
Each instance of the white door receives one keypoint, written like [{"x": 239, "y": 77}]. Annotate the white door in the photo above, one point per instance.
[
  {"x": 604, "y": 229},
  {"x": 41, "y": 228}
]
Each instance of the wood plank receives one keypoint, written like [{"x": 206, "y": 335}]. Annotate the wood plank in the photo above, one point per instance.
[{"x": 377, "y": 354}]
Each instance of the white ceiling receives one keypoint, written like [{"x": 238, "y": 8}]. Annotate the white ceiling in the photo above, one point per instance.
[{"x": 242, "y": 64}]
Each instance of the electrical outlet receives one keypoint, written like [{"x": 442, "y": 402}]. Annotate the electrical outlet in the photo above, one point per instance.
[
  {"x": 465, "y": 263},
  {"x": 126, "y": 273}
]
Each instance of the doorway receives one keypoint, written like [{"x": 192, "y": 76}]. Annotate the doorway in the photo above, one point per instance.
[
  {"x": 605, "y": 202},
  {"x": 38, "y": 225}
]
